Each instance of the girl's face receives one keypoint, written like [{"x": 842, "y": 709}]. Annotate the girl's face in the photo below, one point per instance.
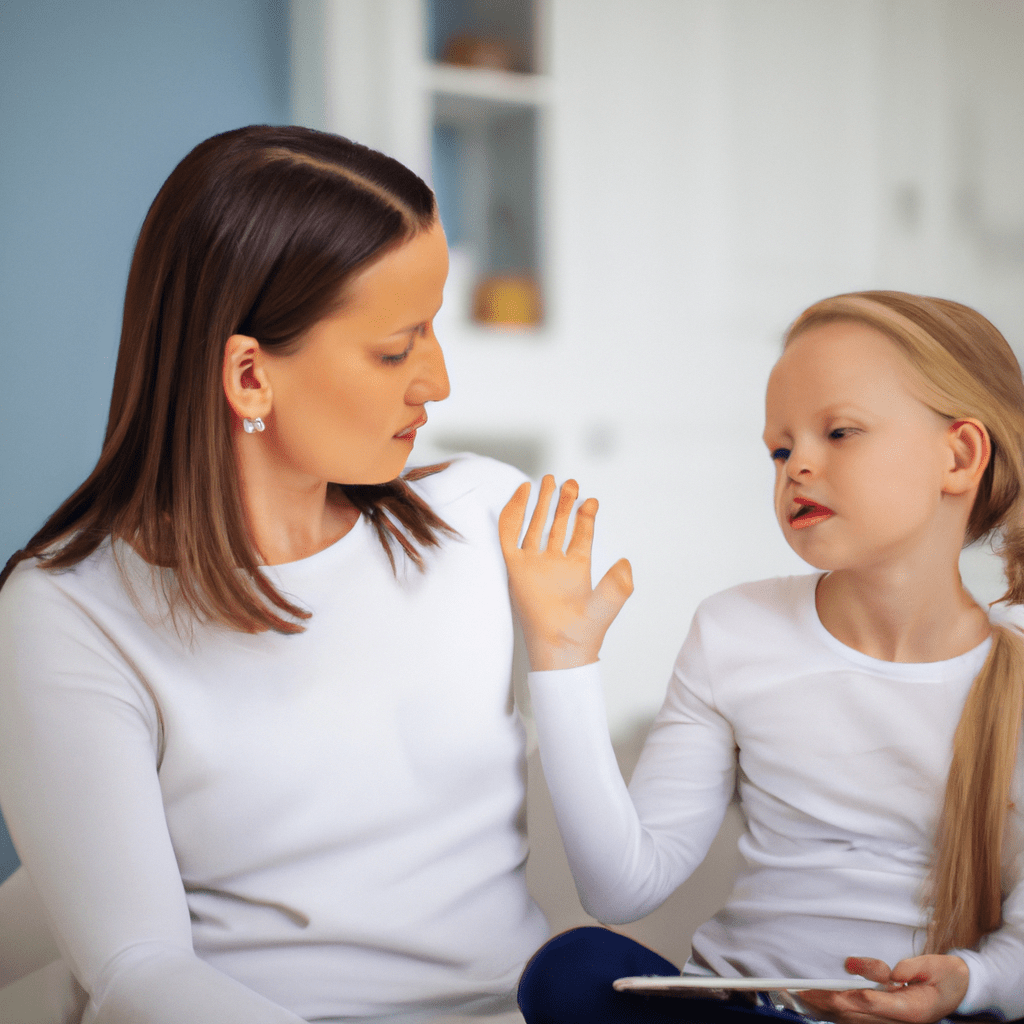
[
  {"x": 347, "y": 403},
  {"x": 859, "y": 458}
]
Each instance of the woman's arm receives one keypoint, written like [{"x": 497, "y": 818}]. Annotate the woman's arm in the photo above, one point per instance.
[
  {"x": 79, "y": 787},
  {"x": 26, "y": 944}
]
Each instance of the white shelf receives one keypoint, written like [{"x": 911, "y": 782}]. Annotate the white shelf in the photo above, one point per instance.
[{"x": 482, "y": 84}]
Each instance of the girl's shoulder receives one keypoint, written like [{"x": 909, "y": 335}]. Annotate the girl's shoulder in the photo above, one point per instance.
[
  {"x": 484, "y": 480},
  {"x": 780, "y": 597}
]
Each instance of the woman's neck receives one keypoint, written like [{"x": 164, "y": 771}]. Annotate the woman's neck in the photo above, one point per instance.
[
  {"x": 894, "y": 615},
  {"x": 289, "y": 516}
]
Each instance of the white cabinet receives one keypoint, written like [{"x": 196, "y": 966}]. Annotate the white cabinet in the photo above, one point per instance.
[
  {"x": 457, "y": 89},
  {"x": 699, "y": 171}
]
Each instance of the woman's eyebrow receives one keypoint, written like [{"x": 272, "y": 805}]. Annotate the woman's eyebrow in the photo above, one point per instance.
[
  {"x": 405, "y": 330},
  {"x": 412, "y": 327}
]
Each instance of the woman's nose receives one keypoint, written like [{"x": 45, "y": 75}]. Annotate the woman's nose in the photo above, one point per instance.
[{"x": 431, "y": 382}]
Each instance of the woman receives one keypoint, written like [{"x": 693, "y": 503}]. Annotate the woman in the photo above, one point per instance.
[{"x": 257, "y": 750}]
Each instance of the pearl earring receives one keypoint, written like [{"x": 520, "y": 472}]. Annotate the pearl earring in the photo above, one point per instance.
[{"x": 253, "y": 426}]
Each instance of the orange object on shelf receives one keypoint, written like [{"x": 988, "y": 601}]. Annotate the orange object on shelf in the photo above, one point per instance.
[
  {"x": 510, "y": 300},
  {"x": 479, "y": 52}
]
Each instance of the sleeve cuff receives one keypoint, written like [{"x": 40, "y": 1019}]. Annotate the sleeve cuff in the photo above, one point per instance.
[{"x": 974, "y": 1000}]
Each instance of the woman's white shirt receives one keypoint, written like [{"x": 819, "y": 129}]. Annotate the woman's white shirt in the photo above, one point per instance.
[{"x": 269, "y": 828}]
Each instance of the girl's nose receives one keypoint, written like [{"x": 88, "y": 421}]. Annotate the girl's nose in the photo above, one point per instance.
[{"x": 800, "y": 463}]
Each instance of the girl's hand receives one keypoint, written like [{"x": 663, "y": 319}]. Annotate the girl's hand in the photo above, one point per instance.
[
  {"x": 921, "y": 990},
  {"x": 564, "y": 620}
]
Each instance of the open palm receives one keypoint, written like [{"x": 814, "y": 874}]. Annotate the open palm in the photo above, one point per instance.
[{"x": 564, "y": 619}]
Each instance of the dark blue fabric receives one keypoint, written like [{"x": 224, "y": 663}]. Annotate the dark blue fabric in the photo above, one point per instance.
[{"x": 569, "y": 981}]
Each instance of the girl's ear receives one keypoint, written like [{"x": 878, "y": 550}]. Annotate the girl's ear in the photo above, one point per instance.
[
  {"x": 246, "y": 384},
  {"x": 970, "y": 450}
]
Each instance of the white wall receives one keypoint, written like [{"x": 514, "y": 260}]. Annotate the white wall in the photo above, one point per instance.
[{"x": 715, "y": 166}]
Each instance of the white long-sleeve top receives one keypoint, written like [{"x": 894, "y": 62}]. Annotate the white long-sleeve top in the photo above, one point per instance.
[
  {"x": 840, "y": 762},
  {"x": 227, "y": 828}
]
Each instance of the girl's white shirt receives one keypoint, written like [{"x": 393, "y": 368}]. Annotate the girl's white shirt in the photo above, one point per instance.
[
  {"x": 226, "y": 827},
  {"x": 840, "y": 763}
]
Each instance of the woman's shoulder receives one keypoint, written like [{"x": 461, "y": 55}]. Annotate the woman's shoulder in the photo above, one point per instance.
[
  {"x": 35, "y": 591},
  {"x": 487, "y": 481}
]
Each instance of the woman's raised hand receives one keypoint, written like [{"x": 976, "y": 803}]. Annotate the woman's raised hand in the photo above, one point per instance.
[{"x": 564, "y": 619}]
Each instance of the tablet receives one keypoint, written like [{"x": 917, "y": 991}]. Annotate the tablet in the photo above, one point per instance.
[{"x": 676, "y": 984}]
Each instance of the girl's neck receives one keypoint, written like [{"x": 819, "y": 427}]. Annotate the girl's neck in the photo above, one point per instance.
[{"x": 896, "y": 616}]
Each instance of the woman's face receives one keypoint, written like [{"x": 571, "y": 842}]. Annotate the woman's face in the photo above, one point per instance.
[{"x": 347, "y": 403}]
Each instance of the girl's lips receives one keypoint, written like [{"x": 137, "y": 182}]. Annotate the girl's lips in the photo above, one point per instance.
[{"x": 808, "y": 514}]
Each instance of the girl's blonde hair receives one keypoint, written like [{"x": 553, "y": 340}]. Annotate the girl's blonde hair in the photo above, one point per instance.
[{"x": 967, "y": 369}]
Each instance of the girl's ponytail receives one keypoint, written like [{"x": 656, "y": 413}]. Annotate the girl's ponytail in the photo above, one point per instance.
[{"x": 966, "y": 887}]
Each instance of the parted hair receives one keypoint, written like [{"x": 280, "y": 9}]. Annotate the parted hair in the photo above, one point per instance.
[
  {"x": 966, "y": 368},
  {"x": 257, "y": 231}
]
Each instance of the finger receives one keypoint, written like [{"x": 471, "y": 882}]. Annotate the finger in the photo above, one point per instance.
[
  {"x": 535, "y": 530},
  {"x": 870, "y": 968},
  {"x": 566, "y": 499},
  {"x": 583, "y": 530},
  {"x": 612, "y": 591},
  {"x": 510, "y": 521}
]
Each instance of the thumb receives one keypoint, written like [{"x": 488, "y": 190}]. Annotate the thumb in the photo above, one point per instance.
[
  {"x": 510, "y": 520},
  {"x": 612, "y": 592}
]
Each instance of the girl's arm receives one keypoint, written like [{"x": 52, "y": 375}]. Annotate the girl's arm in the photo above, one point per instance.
[
  {"x": 79, "y": 787},
  {"x": 628, "y": 849}
]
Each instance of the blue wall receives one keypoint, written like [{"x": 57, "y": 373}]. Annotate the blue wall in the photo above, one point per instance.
[{"x": 99, "y": 99}]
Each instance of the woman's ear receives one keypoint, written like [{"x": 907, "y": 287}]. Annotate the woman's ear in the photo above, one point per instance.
[
  {"x": 246, "y": 384},
  {"x": 970, "y": 450}
]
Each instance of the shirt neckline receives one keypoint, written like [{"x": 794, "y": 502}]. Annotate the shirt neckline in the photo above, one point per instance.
[{"x": 969, "y": 661}]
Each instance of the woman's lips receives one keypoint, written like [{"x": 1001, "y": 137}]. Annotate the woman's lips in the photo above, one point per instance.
[
  {"x": 409, "y": 434},
  {"x": 808, "y": 514}
]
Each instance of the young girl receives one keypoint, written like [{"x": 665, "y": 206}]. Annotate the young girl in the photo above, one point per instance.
[{"x": 868, "y": 714}]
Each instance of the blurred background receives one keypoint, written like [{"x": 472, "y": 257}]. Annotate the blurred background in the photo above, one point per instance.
[{"x": 639, "y": 196}]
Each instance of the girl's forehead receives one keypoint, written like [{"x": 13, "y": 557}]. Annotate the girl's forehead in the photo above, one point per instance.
[{"x": 841, "y": 362}]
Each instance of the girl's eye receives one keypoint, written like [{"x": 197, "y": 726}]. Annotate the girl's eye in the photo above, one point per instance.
[
  {"x": 400, "y": 358},
  {"x": 839, "y": 433},
  {"x": 780, "y": 454}
]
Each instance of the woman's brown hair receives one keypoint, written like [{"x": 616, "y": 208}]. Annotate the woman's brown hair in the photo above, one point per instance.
[
  {"x": 966, "y": 369},
  {"x": 256, "y": 232}
]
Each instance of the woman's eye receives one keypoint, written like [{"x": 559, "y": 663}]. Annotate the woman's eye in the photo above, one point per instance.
[
  {"x": 393, "y": 360},
  {"x": 780, "y": 454}
]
